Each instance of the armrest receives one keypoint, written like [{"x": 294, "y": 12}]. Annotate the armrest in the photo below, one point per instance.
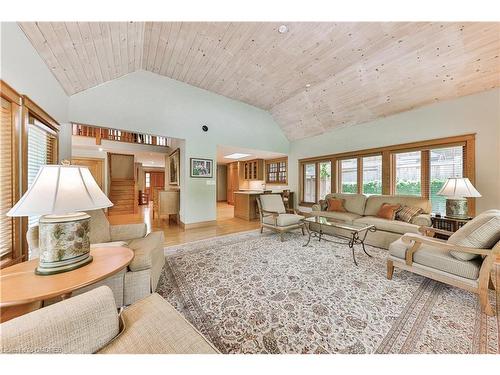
[
  {"x": 291, "y": 211},
  {"x": 145, "y": 250},
  {"x": 429, "y": 231},
  {"x": 32, "y": 237},
  {"x": 126, "y": 232},
  {"x": 422, "y": 219},
  {"x": 271, "y": 213},
  {"x": 441, "y": 245},
  {"x": 79, "y": 325}
]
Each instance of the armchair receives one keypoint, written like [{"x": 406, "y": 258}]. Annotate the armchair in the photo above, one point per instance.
[
  {"x": 143, "y": 273},
  {"x": 464, "y": 260},
  {"x": 273, "y": 215}
]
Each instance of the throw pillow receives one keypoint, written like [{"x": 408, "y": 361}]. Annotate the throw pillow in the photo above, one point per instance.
[
  {"x": 388, "y": 211},
  {"x": 336, "y": 205},
  {"x": 323, "y": 204},
  {"x": 407, "y": 213},
  {"x": 483, "y": 237}
]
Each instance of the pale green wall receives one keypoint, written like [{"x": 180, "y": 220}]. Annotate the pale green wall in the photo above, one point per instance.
[
  {"x": 479, "y": 113},
  {"x": 149, "y": 103},
  {"x": 23, "y": 69}
]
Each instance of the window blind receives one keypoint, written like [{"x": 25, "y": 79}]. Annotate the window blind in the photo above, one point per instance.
[
  {"x": 6, "y": 175},
  {"x": 41, "y": 151}
]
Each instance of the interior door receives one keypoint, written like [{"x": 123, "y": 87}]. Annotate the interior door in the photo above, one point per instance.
[
  {"x": 154, "y": 180},
  {"x": 96, "y": 168}
]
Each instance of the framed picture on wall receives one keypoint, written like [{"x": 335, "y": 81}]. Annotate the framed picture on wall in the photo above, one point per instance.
[
  {"x": 201, "y": 168},
  {"x": 173, "y": 168}
]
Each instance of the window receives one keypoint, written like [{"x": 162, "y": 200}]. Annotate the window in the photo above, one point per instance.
[
  {"x": 349, "y": 175},
  {"x": 372, "y": 174},
  {"x": 408, "y": 177},
  {"x": 148, "y": 179},
  {"x": 8, "y": 187},
  {"x": 42, "y": 149},
  {"x": 325, "y": 179},
  {"x": 418, "y": 169},
  {"x": 310, "y": 183},
  {"x": 276, "y": 171},
  {"x": 444, "y": 163}
]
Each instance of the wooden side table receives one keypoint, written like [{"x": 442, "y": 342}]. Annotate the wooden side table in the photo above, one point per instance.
[
  {"x": 22, "y": 291},
  {"x": 447, "y": 223}
]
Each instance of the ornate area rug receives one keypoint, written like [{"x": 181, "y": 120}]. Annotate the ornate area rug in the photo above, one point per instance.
[{"x": 251, "y": 293}]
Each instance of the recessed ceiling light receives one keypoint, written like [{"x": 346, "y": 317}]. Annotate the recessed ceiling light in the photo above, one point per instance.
[
  {"x": 308, "y": 85},
  {"x": 236, "y": 155},
  {"x": 101, "y": 149},
  {"x": 283, "y": 29}
]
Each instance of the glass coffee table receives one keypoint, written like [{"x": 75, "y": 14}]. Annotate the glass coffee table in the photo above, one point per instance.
[{"x": 315, "y": 226}]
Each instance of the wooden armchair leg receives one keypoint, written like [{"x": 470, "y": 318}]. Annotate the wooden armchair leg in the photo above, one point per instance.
[
  {"x": 484, "y": 281},
  {"x": 261, "y": 229},
  {"x": 390, "y": 269}
]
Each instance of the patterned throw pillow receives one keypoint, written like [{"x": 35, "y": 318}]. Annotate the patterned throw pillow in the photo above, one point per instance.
[
  {"x": 336, "y": 205},
  {"x": 323, "y": 204},
  {"x": 388, "y": 211},
  {"x": 484, "y": 236},
  {"x": 407, "y": 213}
]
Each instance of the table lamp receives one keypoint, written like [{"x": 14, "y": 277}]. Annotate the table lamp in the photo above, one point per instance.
[
  {"x": 60, "y": 193},
  {"x": 457, "y": 190}
]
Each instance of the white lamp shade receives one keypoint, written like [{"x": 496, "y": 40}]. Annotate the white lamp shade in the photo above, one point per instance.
[
  {"x": 61, "y": 189},
  {"x": 458, "y": 187}
]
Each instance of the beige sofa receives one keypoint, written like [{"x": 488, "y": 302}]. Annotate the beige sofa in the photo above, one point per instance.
[
  {"x": 90, "y": 323},
  {"x": 362, "y": 209},
  {"x": 143, "y": 273}
]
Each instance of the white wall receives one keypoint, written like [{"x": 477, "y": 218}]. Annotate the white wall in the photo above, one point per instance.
[
  {"x": 25, "y": 71},
  {"x": 479, "y": 113},
  {"x": 149, "y": 103}
]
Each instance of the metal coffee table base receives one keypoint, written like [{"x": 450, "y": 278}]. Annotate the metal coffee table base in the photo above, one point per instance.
[{"x": 355, "y": 239}]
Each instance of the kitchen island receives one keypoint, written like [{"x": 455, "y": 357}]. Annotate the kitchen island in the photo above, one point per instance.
[{"x": 245, "y": 203}]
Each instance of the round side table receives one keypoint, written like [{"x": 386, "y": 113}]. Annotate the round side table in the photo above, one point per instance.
[{"x": 22, "y": 291}]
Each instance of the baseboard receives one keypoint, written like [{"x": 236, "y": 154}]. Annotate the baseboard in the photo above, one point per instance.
[{"x": 200, "y": 224}]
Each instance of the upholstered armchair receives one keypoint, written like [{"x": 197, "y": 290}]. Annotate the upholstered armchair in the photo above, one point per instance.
[
  {"x": 141, "y": 276},
  {"x": 274, "y": 215},
  {"x": 464, "y": 260}
]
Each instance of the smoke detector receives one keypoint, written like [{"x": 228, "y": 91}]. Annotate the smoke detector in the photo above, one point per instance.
[{"x": 283, "y": 29}]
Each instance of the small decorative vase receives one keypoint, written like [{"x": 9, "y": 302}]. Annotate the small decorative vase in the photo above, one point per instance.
[{"x": 64, "y": 243}]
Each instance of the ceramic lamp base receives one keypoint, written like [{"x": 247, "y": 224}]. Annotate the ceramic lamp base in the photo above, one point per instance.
[
  {"x": 64, "y": 243},
  {"x": 456, "y": 208}
]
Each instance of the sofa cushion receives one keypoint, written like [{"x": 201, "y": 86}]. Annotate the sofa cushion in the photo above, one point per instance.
[
  {"x": 99, "y": 227},
  {"x": 430, "y": 256},
  {"x": 388, "y": 225},
  {"x": 272, "y": 203},
  {"x": 374, "y": 202},
  {"x": 422, "y": 220},
  {"x": 347, "y": 217},
  {"x": 388, "y": 211},
  {"x": 354, "y": 203},
  {"x": 335, "y": 205},
  {"x": 153, "y": 326},
  {"x": 82, "y": 324},
  {"x": 143, "y": 250},
  {"x": 482, "y": 232},
  {"x": 407, "y": 213},
  {"x": 284, "y": 220}
]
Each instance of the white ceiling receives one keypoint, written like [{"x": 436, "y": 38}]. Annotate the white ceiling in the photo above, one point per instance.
[
  {"x": 315, "y": 78},
  {"x": 253, "y": 154},
  {"x": 145, "y": 154}
]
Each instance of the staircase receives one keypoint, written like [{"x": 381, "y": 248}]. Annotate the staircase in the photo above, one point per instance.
[{"x": 122, "y": 194}]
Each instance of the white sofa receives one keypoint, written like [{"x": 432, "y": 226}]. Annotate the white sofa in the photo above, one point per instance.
[{"x": 362, "y": 209}]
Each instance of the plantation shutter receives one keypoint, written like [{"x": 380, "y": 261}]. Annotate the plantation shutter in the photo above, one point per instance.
[
  {"x": 42, "y": 150},
  {"x": 7, "y": 177}
]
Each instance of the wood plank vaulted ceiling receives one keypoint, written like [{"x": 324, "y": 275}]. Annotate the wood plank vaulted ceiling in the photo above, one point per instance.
[{"x": 312, "y": 79}]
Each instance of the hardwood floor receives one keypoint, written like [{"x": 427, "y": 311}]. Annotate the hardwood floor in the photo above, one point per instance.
[{"x": 174, "y": 234}]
